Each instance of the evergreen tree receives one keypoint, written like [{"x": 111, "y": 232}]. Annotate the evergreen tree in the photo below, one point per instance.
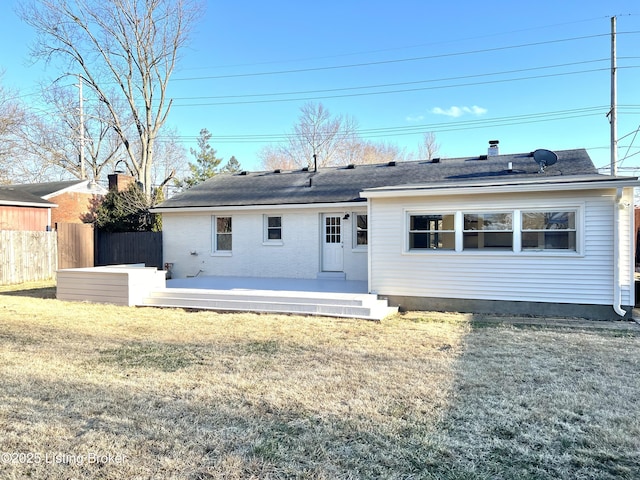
[
  {"x": 128, "y": 211},
  {"x": 207, "y": 163},
  {"x": 232, "y": 166}
]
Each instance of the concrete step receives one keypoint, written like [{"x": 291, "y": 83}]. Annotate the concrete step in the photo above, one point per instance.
[{"x": 302, "y": 303}]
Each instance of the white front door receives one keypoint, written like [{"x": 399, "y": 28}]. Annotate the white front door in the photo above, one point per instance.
[{"x": 332, "y": 253}]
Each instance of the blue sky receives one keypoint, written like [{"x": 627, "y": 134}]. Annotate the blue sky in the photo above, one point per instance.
[{"x": 530, "y": 74}]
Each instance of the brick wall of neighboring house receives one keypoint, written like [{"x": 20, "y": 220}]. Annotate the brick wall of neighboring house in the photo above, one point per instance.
[{"x": 73, "y": 207}]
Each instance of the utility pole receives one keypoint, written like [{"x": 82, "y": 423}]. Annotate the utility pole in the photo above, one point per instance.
[
  {"x": 83, "y": 171},
  {"x": 613, "y": 119}
]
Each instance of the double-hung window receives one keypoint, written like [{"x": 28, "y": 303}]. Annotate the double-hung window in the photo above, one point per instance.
[
  {"x": 432, "y": 231},
  {"x": 549, "y": 230},
  {"x": 362, "y": 228},
  {"x": 488, "y": 231},
  {"x": 273, "y": 229},
  {"x": 222, "y": 235}
]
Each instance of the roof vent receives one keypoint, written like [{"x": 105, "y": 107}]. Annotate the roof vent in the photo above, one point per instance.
[
  {"x": 305, "y": 169},
  {"x": 435, "y": 160},
  {"x": 277, "y": 170},
  {"x": 493, "y": 149},
  {"x": 482, "y": 157},
  {"x": 351, "y": 166},
  {"x": 391, "y": 164},
  {"x": 244, "y": 173}
]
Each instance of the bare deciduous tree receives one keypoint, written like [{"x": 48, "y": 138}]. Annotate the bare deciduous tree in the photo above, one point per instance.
[
  {"x": 130, "y": 44},
  {"x": 429, "y": 148},
  {"x": 12, "y": 115},
  {"x": 317, "y": 134},
  {"x": 54, "y": 138},
  {"x": 334, "y": 141}
]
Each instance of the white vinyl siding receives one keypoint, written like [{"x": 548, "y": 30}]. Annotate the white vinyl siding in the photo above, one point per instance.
[{"x": 585, "y": 276}]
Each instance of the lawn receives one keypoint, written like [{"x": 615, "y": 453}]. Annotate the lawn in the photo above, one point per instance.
[{"x": 96, "y": 391}]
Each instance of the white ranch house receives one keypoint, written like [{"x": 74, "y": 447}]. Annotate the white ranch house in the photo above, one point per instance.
[{"x": 487, "y": 234}]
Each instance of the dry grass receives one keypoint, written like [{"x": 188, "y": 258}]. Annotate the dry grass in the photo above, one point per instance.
[{"x": 190, "y": 395}]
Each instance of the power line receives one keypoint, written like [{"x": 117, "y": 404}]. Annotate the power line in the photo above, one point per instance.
[
  {"x": 406, "y": 47},
  {"x": 422, "y": 128},
  {"x": 398, "y": 60},
  {"x": 384, "y": 85},
  {"x": 351, "y": 95}
]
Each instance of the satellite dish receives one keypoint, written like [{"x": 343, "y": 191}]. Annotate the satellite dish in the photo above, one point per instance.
[{"x": 544, "y": 158}]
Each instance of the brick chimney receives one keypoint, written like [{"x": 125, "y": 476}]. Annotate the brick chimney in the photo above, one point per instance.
[{"x": 120, "y": 182}]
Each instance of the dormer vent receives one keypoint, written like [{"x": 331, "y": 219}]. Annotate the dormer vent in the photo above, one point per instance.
[
  {"x": 305, "y": 169},
  {"x": 391, "y": 164},
  {"x": 351, "y": 166},
  {"x": 244, "y": 173},
  {"x": 435, "y": 160},
  {"x": 277, "y": 170},
  {"x": 482, "y": 157}
]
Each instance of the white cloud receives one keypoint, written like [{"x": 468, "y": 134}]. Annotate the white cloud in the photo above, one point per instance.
[
  {"x": 456, "y": 112},
  {"x": 417, "y": 118}
]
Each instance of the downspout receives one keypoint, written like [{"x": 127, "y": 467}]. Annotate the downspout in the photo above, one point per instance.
[
  {"x": 369, "y": 246},
  {"x": 617, "y": 288}
]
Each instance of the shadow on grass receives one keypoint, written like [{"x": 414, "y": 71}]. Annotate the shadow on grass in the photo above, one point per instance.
[
  {"x": 542, "y": 401},
  {"x": 42, "y": 292}
]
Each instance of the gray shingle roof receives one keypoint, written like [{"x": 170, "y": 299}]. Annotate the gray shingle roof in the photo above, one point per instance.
[
  {"x": 47, "y": 188},
  {"x": 11, "y": 196},
  {"x": 342, "y": 184}
]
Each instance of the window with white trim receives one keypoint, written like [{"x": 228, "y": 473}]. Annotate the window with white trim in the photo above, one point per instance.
[
  {"x": 519, "y": 231},
  {"x": 222, "y": 234},
  {"x": 432, "y": 231},
  {"x": 549, "y": 230},
  {"x": 273, "y": 229},
  {"x": 488, "y": 231},
  {"x": 361, "y": 230}
]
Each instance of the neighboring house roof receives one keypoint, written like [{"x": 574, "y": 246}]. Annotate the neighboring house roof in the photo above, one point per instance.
[
  {"x": 344, "y": 184},
  {"x": 51, "y": 189},
  {"x": 12, "y": 197}
]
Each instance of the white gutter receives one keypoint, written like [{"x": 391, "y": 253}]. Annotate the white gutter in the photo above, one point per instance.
[
  {"x": 9, "y": 203},
  {"x": 617, "y": 288},
  {"x": 252, "y": 208},
  {"x": 458, "y": 189}
]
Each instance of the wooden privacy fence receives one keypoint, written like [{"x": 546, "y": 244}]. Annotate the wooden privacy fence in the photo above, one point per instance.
[
  {"x": 27, "y": 256},
  {"x": 127, "y": 248},
  {"x": 75, "y": 245}
]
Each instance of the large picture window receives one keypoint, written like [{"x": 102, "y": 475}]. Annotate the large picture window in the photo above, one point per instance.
[
  {"x": 222, "y": 234},
  {"x": 519, "y": 231},
  {"x": 549, "y": 230},
  {"x": 488, "y": 230},
  {"x": 432, "y": 231}
]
